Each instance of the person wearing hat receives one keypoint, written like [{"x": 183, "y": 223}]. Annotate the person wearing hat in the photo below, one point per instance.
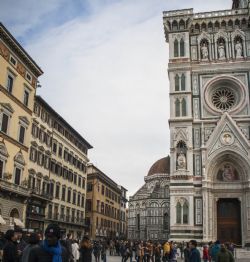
[
  {"x": 10, "y": 253},
  {"x": 50, "y": 250}
]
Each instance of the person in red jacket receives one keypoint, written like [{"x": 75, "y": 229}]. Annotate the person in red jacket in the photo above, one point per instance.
[{"x": 205, "y": 253}]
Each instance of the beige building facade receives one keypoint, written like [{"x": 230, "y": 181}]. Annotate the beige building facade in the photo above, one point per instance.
[
  {"x": 105, "y": 216},
  {"x": 18, "y": 81},
  {"x": 58, "y": 159}
]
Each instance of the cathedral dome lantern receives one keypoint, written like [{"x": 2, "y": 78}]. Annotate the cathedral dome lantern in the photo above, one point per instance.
[{"x": 162, "y": 166}]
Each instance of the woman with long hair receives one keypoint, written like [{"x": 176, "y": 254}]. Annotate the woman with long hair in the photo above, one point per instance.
[{"x": 85, "y": 250}]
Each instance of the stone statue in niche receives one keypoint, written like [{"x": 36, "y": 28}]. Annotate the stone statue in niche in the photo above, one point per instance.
[
  {"x": 221, "y": 51},
  {"x": 238, "y": 49},
  {"x": 204, "y": 51},
  {"x": 181, "y": 161}
]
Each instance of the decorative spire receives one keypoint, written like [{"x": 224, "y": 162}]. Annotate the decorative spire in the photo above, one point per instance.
[
  {"x": 240, "y": 4},
  {"x": 236, "y": 4}
]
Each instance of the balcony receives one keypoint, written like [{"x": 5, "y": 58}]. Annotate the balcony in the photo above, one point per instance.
[
  {"x": 66, "y": 219},
  {"x": 39, "y": 193},
  {"x": 5, "y": 185}
]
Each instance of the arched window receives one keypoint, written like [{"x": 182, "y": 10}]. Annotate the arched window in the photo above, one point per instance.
[
  {"x": 203, "y": 27},
  {"x": 175, "y": 25},
  {"x": 14, "y": 213},
  {"x": 177, "y": 83},
  {"x": 230, "y": 25},
  {"x": 223, "y": 25},
  {"x": 182, "y": 48},
  {"x": 237, "y": 23},
  {"x": 244, "y": 23},
  {"x": 177, "y": 107},
  {"x": 210, "y": 27},
  {"x": 197, "y": 28},
  {"x": 182, "y": 25},
  {"x": 178, "y": 213},
  {"x": 185, "y": 213},
  {"x": 176, "y": 48},
  {"x": 183, "y": 107},
  {"x": 216, "y": 26},
  {"x": 165, "y": 221},
  {"x": 183, "y": 82}
]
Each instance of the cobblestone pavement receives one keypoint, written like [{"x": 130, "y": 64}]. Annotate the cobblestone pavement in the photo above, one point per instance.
[{"x": 118, "y": 259}]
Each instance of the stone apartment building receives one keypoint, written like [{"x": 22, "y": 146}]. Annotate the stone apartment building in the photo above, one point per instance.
[
  {"x": 18, "y": 82},
  {"x": 42, "y": 158},
  {"x": 57, "y": 171},
  {"x": 105, "y": 206}
]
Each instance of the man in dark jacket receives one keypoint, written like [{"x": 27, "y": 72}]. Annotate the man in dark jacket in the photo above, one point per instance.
[
  {"x": 215, "y": 249},
  {"x": 195, "y": 255},
  {"x": 224, "y": 255},
  {"x": 21, "y": 244},
  {"x": 10, "y": 253},
  {"x": 50, "y": 250}
]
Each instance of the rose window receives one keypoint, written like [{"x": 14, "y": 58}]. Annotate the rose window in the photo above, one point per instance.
[{"x": 223, "y": 99}]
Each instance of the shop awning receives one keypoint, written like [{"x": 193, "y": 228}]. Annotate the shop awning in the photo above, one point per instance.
[
  {"x": 18, "y": 222},
  {"x": 2, "y": 221}
]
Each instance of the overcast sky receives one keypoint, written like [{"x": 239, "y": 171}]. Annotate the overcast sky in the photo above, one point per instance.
[{"x": 105, "y": 72}]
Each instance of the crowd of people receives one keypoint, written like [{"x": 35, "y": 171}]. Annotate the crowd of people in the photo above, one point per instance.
[{"x": 15, "y": 247}]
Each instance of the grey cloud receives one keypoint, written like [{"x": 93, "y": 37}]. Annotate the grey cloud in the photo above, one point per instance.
[{"x": 107, "y": 75}]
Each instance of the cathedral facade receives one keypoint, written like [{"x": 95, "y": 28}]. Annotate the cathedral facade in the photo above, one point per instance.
[
  {"x": 148, "y": 214},
  {"x": 209, "y": 66}
]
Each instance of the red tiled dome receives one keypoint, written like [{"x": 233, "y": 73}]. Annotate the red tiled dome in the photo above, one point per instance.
[{"x": 161, "y": 166}]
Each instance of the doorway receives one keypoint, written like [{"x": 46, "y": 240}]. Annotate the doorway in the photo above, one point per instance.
[{"x": 229, "y": 220}]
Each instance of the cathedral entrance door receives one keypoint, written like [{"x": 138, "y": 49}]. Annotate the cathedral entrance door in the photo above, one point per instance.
[{"x": 229, "y": 220}]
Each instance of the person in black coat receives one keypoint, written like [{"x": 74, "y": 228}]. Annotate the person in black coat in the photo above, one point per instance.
[
  {"x": 10, "y": 253},
  {"x": 50, "y": 249},
  {"x": 85, "y": 250}
]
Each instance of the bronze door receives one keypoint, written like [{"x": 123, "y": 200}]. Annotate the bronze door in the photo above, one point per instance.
[{"x": 229, "y": 221}]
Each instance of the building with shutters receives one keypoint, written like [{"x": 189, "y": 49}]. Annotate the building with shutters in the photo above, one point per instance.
[
  {"x": 105, "y": 206},
  {"x": 57, "y": 172},
  {"x": 18, "y": 83}
]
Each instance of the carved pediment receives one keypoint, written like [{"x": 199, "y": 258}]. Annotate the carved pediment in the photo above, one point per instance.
[
  {"x": 24, "y": 119},
  {"x": 181, "y": 134},
  {"x": 19, "y": 158},
  {"x": 221, "y": 34},
  {"x": 47, "y": 152},
  {"x": 204, "y": 35},
  {"x": 34, "y": 143},
  {"x": 238, "y": 32},
  {"x": 228, "y": 135},
  {"x": 3, "y": 150},
  {"x": 39, "y": 174},
  {"x": 41, "y": 148},
  {"x": 32, "y": 171},
  {"x": 7, "y": 107}
]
